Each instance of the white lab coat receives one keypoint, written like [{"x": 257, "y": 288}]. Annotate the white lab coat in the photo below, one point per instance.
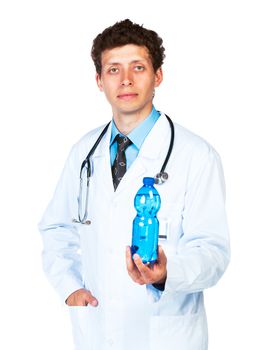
[{"x": 192, "y": 215}]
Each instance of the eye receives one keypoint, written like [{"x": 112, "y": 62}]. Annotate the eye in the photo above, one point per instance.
[
  {"x": 139, "y": 68},
  {"x": 113, "y": 70}
]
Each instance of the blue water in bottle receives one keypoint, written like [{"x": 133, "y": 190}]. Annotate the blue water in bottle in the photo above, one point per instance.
[{"x": 145, "y": 233}]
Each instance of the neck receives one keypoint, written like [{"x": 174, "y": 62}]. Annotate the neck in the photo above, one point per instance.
[{"x": 126, "y": 122}]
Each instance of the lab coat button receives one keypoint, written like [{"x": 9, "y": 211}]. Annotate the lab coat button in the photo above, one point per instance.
[{"x": 110, "y": 342}]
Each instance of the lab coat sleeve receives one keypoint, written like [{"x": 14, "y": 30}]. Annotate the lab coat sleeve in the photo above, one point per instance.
[
  {"x": 203, "y": 252},
  {"x": 61, "y": 255}
]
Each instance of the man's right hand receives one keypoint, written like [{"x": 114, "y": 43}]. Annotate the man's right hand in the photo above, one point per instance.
[{"x": 81, "y": 297}]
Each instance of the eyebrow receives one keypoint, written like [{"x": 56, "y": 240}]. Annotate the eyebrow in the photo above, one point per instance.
[{"x": 118, "y": 63}]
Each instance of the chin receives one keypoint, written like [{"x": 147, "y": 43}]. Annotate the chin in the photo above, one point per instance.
[{"x": 131, "y": 109}]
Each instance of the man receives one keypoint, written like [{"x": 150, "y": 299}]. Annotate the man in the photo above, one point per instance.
[{"x": 117, "y": 302}]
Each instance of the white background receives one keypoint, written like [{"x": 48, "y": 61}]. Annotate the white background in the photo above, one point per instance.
[{"x": 217, "y": 82}]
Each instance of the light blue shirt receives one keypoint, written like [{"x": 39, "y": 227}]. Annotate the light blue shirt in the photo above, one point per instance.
[{"x": 137, "y": 137}]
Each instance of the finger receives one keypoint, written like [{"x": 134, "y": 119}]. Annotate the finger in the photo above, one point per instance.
[
  {"x": 142, "y": 268},
  {"x": 132, "y": 269},
  {"x": 129, "y": 261},
  {"x": 90, "y": 299}
]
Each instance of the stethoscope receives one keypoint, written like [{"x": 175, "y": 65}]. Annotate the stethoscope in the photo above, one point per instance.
[{"x": 160, "y": 178}]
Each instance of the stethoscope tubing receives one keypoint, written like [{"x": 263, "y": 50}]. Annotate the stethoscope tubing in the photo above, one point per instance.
[
  {"x": 161, "y": 177},
  {"x": 170, "y": 145},
  {"x": 87, "y": 159}
]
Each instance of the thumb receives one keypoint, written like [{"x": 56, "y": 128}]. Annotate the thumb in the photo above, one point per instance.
[{"x": 91, "y": 300}]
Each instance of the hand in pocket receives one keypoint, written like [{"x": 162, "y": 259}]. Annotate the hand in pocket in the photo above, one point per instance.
[{"x": 81, "y": 297}]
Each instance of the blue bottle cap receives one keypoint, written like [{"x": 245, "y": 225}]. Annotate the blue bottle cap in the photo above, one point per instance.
[{"x": 148, "y": 181}]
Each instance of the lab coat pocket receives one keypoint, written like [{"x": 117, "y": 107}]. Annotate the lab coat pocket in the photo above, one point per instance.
[
  {"x": 164, "y": 231},
  {"x": 177, "y": 332},
  {"x": 82, "y": 319},
  {"x": 170, "y": 225}
]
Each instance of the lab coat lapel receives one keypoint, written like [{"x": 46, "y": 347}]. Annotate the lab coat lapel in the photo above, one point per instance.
[{"x": 101, "y": 159}]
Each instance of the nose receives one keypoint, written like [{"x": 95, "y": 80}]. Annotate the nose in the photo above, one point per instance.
[{"x": 126, "y": 79}]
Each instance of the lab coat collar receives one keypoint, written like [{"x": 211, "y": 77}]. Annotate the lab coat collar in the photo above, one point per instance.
[
  {"x": 155, "y": 140},
  {"x": 152, "y": 145}
]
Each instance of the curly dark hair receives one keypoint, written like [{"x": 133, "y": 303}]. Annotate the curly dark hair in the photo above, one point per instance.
[{"x": 123, "y": 33}]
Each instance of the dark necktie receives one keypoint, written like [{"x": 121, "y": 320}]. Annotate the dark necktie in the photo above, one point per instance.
[{"x": 119, "y": 166}]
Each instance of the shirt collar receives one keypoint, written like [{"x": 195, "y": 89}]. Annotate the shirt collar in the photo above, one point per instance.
[{"x": 138, "y": 134}]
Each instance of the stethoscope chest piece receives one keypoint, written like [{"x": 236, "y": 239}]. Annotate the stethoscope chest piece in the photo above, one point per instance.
[
  {"x": 161, "y": 178},
  {"x": 87, "y": 222}
]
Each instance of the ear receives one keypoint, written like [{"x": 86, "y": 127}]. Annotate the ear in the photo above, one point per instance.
[
  {"x": 158, "y": 77},
  {"x": 99, "y": 82}
]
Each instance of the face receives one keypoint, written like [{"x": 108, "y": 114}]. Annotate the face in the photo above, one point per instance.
[{"x": 128, "y": 79}]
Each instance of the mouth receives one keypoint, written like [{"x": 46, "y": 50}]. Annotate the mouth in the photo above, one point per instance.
[{"x": 127, "y": 96}]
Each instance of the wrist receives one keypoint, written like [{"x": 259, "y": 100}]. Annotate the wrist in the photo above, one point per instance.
[{"x": 162, "y": 280}]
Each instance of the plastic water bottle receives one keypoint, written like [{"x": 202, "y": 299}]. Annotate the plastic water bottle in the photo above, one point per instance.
[{"x": 145, "y": 233}]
